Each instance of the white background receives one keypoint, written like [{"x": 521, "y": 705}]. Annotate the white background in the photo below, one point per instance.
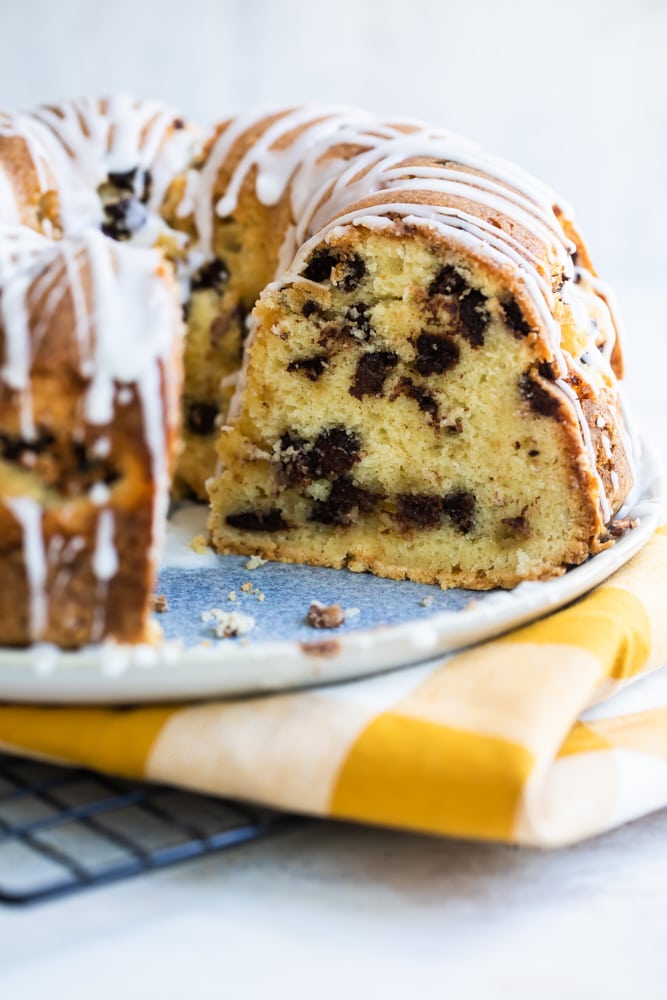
[{"x": 577, "y": 93}]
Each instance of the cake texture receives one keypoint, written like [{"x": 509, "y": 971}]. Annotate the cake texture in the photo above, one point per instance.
[
  {"x": 371, "y": 344},
  {"x": 430, "y": 389}
]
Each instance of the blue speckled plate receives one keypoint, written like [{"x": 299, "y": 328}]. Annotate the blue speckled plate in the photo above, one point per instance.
[{"x": 388, "y": 624}]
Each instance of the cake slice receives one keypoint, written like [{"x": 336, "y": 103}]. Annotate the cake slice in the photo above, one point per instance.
[
  {"x": 425, "y": 402},
  {"x": 90, "y": 344}
]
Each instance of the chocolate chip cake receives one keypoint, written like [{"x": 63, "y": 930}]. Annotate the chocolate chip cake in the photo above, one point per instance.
[
  {"x": 430, "y": 390},
  {"x": 397, "y": 357}
]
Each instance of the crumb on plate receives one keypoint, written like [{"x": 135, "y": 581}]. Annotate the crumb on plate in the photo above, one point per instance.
[
  {"x": 255, "y": 562},
  {"x": 325, "y": 615},
  {"x": 228, "y": 624},
  {"x": 160, "y": 603},
  {"x": 199, "y": 544}
]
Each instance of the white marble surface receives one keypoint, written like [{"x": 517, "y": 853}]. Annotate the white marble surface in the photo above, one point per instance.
[{"x": 344, "y": 912}]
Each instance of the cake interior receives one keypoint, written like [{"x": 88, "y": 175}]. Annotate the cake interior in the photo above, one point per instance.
[{"x": 398, "y": 419}]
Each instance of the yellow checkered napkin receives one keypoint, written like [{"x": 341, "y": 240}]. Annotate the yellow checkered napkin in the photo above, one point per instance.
[{"x": 516, "y": 739}]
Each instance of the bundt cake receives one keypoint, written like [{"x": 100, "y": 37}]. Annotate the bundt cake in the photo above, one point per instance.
[{"x": 397, "y": 357}]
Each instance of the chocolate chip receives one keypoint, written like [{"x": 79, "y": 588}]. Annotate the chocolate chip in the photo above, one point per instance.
[
  {"x": 474, "y": 317},
  {"x": 334, "y": 451},
  {"x": 345, "y": 500},
  {"x": 355, "y": 327},
  {"x": 371, "y": 373},
  {"x": 454, "y": 426},
  {"x": 309, "y": 307},
  {"x": 357, "y": 322},
  {"x": 419, "y": 510},
  {"x": 253, "y": 520},
  {"x": 294, "y": 463},
  {"x": 178, "y": 124},
  {"x": 201, "y": 417},
  {"x": 345, "y": 271},
  {"x": 517, "y": 525},
  {"x": 353, "y": 270},
  {"x": 148, "y": 186},
  {"x": 447, "y": 281},
  {"x": 459, "y": 507},
  {"x": 123, "y": 218},
  {"x": 436, "y": 353},
  {"x": 320, "y": 266},
  {"x": 515, "y": 318},
  {"x": 546, "y": 371},
  {"x": 123, "y": 180},
  {"x": 312, "y": 368},
  {"x": 538, "y": 398},
  {"x": 421, "y": 396},
  {"x": 533, "y": 453},
  {"x": 214, "y": 275},
  {"x": 12, "y": 447}
]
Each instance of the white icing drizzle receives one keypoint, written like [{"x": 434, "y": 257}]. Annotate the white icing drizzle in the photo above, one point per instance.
[
  {"x": 125, "y": 336},
  {"x": 28, "y": 513},
  {"x": 588, "y": 442},
  {"x": 105, "y": 556},
  {"x": 78, "y": 143},
  {"x": 104, "y": 562},
  {"x": 99, "y": 494}
]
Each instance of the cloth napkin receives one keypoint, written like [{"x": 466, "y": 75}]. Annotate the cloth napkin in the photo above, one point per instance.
[{"x": 550, "y": 734}]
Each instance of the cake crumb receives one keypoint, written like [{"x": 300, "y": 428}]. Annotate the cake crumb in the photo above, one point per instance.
[
  {"x": 329, "y": 647},
  {"x": 199, "y": 544},
  {"x": 255, "y": 562},
  {"x": 248, "y": 588},
  {"x": 325, "y": 615},
  {"x": 427, "y": 602},
  {"x": 231, "y": 596},
  {"x": 228, "y": 624},
  {"x": 160, "y": 603}
]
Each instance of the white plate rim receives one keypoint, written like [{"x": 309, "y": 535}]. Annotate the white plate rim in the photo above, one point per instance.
[{"x": 115, "y": 674}]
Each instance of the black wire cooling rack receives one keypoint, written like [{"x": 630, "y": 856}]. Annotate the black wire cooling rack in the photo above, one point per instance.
[{"x": 66, "y": 829}]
